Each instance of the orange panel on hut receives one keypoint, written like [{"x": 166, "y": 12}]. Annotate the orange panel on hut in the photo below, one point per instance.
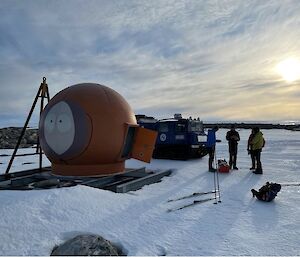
[{"x": 90, "y": 130}]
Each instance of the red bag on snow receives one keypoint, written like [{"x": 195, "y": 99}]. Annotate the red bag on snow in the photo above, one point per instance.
[{"x": 223, "y": 166}]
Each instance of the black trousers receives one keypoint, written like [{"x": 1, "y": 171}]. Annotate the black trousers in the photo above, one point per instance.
[
  {"x": 211, "y": 156},
  {"x": 257, "y": 155},
  {"x": 259, "y": 195},
  {"x": 252, "y": 158},
  {"x": 233, "y": 149}
]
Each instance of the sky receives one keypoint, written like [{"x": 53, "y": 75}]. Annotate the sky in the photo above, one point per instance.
[{"x": 217, "y": 60}]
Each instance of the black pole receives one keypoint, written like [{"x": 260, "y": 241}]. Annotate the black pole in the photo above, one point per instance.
[
  {"x": 23, "y": 132},
  {"x": 43, "y": 94},
  {"x": 215, "y": 186},
  {"x": 218, "y": 184},
  {"x": 43, "y": 89},
  {"x": 290, "y": 184}
]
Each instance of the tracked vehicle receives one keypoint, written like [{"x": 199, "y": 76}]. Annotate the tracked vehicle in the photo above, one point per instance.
[{"x": 178, "y": 138}]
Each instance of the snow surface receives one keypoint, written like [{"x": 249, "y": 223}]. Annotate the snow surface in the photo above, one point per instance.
[{"x": 33, "y": 222}]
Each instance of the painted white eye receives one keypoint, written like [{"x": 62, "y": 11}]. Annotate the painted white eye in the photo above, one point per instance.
[
  {"x": 64, "y": 122},
  {"x": 50, "y": 122}
]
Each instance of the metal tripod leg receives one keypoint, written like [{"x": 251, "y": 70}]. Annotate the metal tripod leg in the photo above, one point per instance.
[{"x": 43, "y": 93}]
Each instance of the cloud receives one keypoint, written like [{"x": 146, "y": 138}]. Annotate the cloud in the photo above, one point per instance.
[{"x": 213, "y": 59}]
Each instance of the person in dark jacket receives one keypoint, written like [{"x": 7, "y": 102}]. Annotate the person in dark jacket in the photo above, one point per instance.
[
  {"x": 211, "y": 147},
  {"x": 267, "y": 193},
  {"x": 250, "y": 150},
  {"x": 233, "y": 137}
]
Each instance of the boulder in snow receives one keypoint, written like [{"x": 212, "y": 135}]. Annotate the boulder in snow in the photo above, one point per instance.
[{"x": 86, "y": 245}]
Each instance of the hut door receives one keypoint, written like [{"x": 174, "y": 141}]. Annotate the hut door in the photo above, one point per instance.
[{"x": 144, "y": 143}]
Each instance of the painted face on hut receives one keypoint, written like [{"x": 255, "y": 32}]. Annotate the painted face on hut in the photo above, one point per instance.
[{"x": 66, "y": 130}]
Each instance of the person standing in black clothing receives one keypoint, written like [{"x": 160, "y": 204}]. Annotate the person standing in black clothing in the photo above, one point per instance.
[
  {"x": 233, "y": 137},
  {"x": 249, "y": 149}
]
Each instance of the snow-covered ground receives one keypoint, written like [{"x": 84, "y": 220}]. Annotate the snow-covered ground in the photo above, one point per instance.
[{"x": 32, "y": 222}]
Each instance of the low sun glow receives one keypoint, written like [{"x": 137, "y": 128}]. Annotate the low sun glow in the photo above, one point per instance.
[{"x": 289, "y": 69}]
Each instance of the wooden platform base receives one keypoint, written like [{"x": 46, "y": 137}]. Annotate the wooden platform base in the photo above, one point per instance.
[{"x": 130, "y": 180}]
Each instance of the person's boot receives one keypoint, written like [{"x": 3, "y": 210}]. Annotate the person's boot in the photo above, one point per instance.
[
  {"x": 253, "y": 191},
  {"x": 252, "y": 168},
  {"x": 235, "y": 168},
  {"x": 258, "y": 171},
  {"x": 212, "y": 170}
]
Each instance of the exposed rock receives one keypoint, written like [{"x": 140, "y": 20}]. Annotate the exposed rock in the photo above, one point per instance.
[
  {"x": 9, "y": 137},
  {"x": 85, "y": 245}
]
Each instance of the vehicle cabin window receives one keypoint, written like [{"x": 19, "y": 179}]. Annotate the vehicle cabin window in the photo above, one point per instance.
[
  {"x": 199, "y": 126},
  {"x": 195, "y": 127},
  {"x": 192, "y": 127},
  {"x": 180, "y": 127},
  {"x": 163, "y": 127}
]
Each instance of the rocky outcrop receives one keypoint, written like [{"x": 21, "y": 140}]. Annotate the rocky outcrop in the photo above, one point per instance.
[
  {"x": 86, "y": 245},
  {"x": 9, "y": 137}
]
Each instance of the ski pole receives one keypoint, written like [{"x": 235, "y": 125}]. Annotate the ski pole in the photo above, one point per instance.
[
  {"x": 290, "y": 184},
  {"x": 215, "y": 178},
  {"x": 218, "y": 184}
]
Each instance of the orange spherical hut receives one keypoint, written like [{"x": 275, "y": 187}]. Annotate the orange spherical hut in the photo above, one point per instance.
[{"x": 83, "y": 130}]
